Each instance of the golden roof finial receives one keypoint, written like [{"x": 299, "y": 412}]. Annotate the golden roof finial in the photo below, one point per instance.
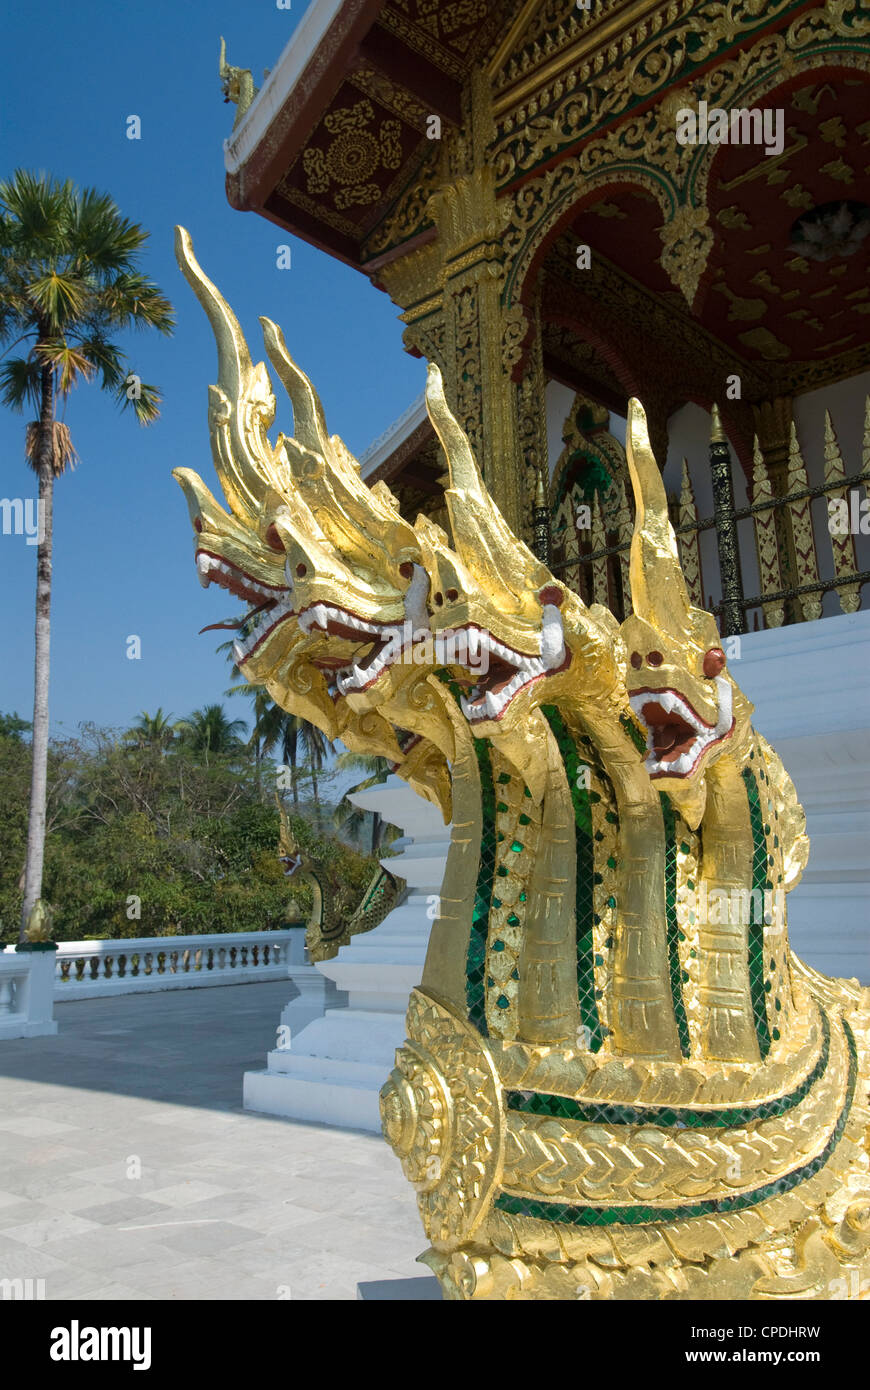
[{"x": 717, "y": 434}]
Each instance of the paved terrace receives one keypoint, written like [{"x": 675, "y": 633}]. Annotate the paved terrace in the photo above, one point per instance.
[{"x": 229, "y": 1205}]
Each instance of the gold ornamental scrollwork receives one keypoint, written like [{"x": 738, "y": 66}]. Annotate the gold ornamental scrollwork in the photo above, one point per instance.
[{"x": 441, "y": 1109}]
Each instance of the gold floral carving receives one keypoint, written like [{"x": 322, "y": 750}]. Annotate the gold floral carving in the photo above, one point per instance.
[
  {"x": 686, "y": 242},
  {"x": 353, "y": 155}
]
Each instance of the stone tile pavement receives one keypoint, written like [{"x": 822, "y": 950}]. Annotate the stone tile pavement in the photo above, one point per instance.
[{"x": 129, "y": 1170}]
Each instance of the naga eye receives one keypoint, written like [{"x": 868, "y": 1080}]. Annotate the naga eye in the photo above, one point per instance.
[
  {"x": 273, "y": 539},
  {"x": 654, "y": 658},
  {"x": 406, "y": 569},
  {"x": 301, "y": 570},
  {"x": 439, "y": 599},
  {"x": 714, "y": 662},
  {"x": 636, "y": 660},
  {"x": 452, "y": 595}
]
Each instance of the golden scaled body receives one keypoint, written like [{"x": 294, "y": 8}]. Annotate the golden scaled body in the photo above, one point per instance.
[{"x": 618, "y": 1082}]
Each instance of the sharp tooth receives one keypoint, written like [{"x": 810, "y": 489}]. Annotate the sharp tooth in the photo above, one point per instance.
[
  {"x": 319, "y": 615},
  {"x": 668, "y": 701},
  {"x": 490, "y": 704},
  {"x": 552, "y": 637},
  {"x": 682, "y": 763}
]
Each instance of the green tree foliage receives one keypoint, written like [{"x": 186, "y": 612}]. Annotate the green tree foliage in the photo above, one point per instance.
[
  {"x": 70, "y": 283},
  {"x": 183, "y": 829}
]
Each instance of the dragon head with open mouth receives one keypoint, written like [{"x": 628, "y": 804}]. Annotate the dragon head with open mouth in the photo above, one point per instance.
[
  {"x": 519, "y": 638},
  {"x": 330, "y": 570},
  {"x": 676, "y": 676}
]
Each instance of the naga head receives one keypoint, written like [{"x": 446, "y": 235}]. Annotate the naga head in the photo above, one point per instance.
[
  {"x": 521, "y": 638},
  {"x": 331, "y": 570},
  {"x": 676, "y": 677}
]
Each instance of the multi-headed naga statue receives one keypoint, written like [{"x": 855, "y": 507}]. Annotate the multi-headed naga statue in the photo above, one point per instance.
[{"x": 618, "y": 1081}]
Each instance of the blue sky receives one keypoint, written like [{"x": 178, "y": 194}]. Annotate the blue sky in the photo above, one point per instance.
[{"x": 123, "y": 556}]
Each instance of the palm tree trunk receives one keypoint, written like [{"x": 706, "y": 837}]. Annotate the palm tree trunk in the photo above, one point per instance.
[{"x": 39, "y": 770}]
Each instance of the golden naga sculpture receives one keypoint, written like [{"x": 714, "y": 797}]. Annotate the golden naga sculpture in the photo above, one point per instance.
[
  {"x": 337, "y": 910},
  {"x": 618, "y": 1081}
]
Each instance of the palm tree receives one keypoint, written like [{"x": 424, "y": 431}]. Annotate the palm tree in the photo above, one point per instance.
[
  {"x": 151, "y": 730},
  {"x": 275, "y": 728},
  {"x": 350, "y": 818},
  {"x": 69, "y": 282},
  {"x": 210, "y": 730}
]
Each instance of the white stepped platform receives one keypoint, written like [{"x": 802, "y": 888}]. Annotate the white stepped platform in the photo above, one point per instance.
[
  {"x": 332, "y": 1068},
  {"x": 810, "y": 684}
]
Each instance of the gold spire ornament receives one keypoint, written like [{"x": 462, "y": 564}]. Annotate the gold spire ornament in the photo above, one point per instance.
[{"x": 618, "y": 1081}]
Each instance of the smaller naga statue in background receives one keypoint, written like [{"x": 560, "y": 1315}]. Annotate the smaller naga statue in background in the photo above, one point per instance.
[
  {"x": 337, "y": 911},
  {"x": 618, "y": 1082}
]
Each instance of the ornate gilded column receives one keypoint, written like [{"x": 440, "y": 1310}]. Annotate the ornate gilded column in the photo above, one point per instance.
[
  {"x": 726, "y": 530},
  {"x": 531, "y": 412},
  {"x": 471, "y": 222}
]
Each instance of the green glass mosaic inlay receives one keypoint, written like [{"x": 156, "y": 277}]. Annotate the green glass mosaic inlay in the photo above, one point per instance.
[
  {"x": 565, "y": 1214},
  {"x": 760, "y": 881},
  {"x": 592, "y": 1112},
  {"x": 475, "y": 968},
  {"x": 585, "y": 847},
  {"x": 677, "y": 975}
]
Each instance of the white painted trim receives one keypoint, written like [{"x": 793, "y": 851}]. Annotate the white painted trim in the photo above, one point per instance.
[
  {"x": 281, "y": 80},
  {"x": 396, "y": 434}
]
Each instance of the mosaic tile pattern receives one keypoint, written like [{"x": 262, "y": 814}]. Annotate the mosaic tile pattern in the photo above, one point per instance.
[
  {"x": 566, "y": 1214},
  {"x": 580, "y": 797},
  {"x": 759, "y": 985},
  {"x": 675, "y": 969},
  {"x": 727, "y": 1117}
]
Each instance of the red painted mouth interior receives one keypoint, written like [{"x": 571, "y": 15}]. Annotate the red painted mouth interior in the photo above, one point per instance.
[
  {"x": 671, "y": 735},
  {"x": 353, "y": 634}
]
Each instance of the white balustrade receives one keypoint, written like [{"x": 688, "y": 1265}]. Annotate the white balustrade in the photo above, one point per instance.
[
  {"x": 132, "y": 965},
  {"x": 26, "y": 993}
]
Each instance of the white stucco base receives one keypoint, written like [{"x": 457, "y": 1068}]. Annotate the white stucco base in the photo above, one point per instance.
[
  {"x": 333, "y": 1067},
  {"x": 810, "y": 684}
]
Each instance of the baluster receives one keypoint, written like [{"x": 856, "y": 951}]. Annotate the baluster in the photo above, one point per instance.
[
  {"x": 173, "y": 962},
  {"x": 843, "y": 545},
  {"x": 161, "y": 962},
  {"x": 690, "y": 550},
  {"x": 148, "y": 958},
  {"x": 765, "y": 540},
  {"x": 599, "y": 542},
  {"x": 801, "y": 523},
  {"x": 122, "y": 967}
]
